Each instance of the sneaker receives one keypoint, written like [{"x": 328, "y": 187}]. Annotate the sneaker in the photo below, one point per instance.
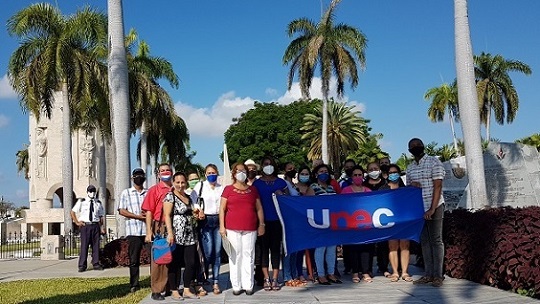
[
  {"x": 98, "y": 267},
  {"x": 82, "y": 269},
  {"x": 437, "y": 282},
  {"x": 237, "y": 292},
  {"x": 423, "y": 280},
  {"x": 157, "y": 296},
  {"x": 250, "y": 292}
]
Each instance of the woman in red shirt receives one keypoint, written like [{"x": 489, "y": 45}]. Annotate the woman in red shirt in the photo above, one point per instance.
[{"x": 241, "y": 219}]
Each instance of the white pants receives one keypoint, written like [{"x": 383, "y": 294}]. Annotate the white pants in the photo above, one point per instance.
[{"x": 242, "y": 259}]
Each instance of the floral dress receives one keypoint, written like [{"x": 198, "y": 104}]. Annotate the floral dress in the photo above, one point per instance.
[{"x": 183, "y": 221}]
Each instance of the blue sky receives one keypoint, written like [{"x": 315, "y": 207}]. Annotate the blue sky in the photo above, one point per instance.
[{"x": 228, "y": 54}]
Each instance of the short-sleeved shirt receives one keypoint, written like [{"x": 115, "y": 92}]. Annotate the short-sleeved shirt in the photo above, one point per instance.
[
  {"x": 349, "y": 189},
  {"x": 183, "y": 222},
  {"x": 131, "y": 200},
  {"x": 266, "y": 189},
  {"x": 241, "y": 210},
  {"x": 321, "y": 191},
  {"x": 375, "y": 187},
  {"x": 429, "y": 168},
  {"x": 82, "y": 209},
  {"x": 153, "y": 201},
  {"x": 211, "y": 197}
]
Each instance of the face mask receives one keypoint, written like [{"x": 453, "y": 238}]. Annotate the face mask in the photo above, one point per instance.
[
  {"x": 139, "y": 180},
  {"x": 252, "y": 174},
  {"x": 358, "y": 180},
  {"x": 417, "y": 151},
  {"x": 192, "y": 183},
  {"x": 393, "y": 177},
  {"x": 303, "y": 178},
  {"x": 268, "y": 170},
  {"x": 91, "y": 195},
  {"x": 165, "y": 177},
  {"x": 374, "y": 174},
  {"x": 241, "y": 176},
  {"x": 385, "y": 168},
  {"x": 212, "y": 178},
  {"x": 323, "y": 177},
  {"x": 291, "y": 173}
]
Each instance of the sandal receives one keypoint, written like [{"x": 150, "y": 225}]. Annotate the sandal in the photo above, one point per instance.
[
  {"x": 406, "y": 277},
  {"x": 394, "y": 278},
  {"x": 201, "y": 292},
  {"x": 367, "y": 278},
  {"x": 216, "y": 289},
  {"x": 267, "y": 284},
  {"x": 275, "y": 285},
  {"x": 355, "y": 278},
  {"x": 387, "y": 274},
  {"x": 302, "y": 279}
]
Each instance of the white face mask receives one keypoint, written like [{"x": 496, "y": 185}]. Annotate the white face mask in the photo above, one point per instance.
[
  {"x": 268, "y": 170},
  {"x": 374, "y": 174},
  {"x": 91, "y": 195},
  {"x": 241, "y": 176}
]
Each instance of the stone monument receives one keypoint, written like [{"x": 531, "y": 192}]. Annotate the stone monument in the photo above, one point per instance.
[{"x": 512, "y": 177}]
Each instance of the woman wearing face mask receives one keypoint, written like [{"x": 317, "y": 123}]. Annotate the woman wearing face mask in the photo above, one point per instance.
[
  {"x": 327, "y": 254},
  {"x": 193, "y": 179},
  {"x": 210, "y": 191},
  {"x": 269, "y": 183},
  {"x": 360, "y": 255},
  {"x": 179, "y": 214},
  {"x": 374, "y": 182},
  {"x": 394, "y": 178},
  {"x": 241, "y": 219}
]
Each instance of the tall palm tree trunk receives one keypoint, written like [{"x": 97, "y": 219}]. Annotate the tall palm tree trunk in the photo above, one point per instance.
[
  {"x": 144, "y": 149},
  {"x": 468, "y": 105},
  {"x": 488, "y": 122},
  {"x": 324, "y": 133},
  {"x": 102, "y": 176},
  {"x": 118, "y": 87},
  {"x": 67, "y": 160},
  {"x": 454, "y": 138}
]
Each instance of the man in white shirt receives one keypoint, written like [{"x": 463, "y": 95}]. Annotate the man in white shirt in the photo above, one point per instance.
[
  {"x": 129, "y": 206},
  {"x": 88, "y": 214}
]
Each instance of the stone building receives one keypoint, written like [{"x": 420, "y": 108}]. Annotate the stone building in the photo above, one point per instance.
[{"x": 91, "y": 158}]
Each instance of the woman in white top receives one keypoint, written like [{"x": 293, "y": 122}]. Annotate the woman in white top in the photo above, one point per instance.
[{"x": 210, "y": 191}]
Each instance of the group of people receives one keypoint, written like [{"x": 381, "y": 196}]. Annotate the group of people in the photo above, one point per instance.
[{"x": 198, "y": 215}]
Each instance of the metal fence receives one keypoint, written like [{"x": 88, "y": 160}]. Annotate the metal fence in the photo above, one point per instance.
[{"x": 17, "y": 245}]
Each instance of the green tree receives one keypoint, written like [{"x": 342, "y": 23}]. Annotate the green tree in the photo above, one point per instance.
[
  {"x": 23, "y": 162},
  {"x": 443, "y": 99},
  {"x": 335, "y": 48},
  {"x": 533, "y": 140},
  {"x": 270, "y": 129},
  {"x": 495, "y": 88},
  {"x": 369, "y": 151},
  {"x": 56, "y": 53},
  {"x": 404, "y": 161},
  {"x": 347, "y": 131}
]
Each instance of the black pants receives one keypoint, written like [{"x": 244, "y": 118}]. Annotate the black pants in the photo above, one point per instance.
[
  {"x": 271, "y": 244},
  {"x": 89, "y": 237},
  {"x": 382, "y": 256},
  {"x": 361, "y": 257},
  {"x": 135, "y": 246},
  {"x": 183, "y": 255}
]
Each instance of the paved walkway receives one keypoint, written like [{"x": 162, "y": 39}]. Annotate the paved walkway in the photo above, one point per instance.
[{"x": 380, "y": 291}]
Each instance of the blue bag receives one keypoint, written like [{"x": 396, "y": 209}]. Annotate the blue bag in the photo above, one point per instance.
[{"x": 161, "y": 250}]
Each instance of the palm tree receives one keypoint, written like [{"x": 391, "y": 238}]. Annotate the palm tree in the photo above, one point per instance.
[
  {"x": 444, "y": 98},
  {"x": 369, "y": 152},
  {"x": 347, "y": 131},
  {"x": 533, "y": 140},
  {"x": 336, "y": 48},
  {"x": 495, "y": 88},
  {"x": 56, "y": 53},
  {"x": 468, "y": 105},
  {"x": 119, "y": 99},
  {"x": 23, "y": 162}
]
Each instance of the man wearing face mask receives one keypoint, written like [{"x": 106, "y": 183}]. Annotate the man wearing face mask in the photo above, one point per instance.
[
  {"x": 129, "y": 206},
  {"x": 427, "y": 172},
  {"x": 153, "y": 206},
  {"x": 88, "y": 214},
  {"x": 252, "y": 171},
  {"x": 346, "y": 177}
]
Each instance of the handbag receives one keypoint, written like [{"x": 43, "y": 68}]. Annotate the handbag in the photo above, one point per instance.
[{"x": 161, "y": 250}]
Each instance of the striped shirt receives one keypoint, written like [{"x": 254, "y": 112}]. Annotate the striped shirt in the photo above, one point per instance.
[
  {"x": 131, "y": 200},
  {"x": 429, "y": 168}
]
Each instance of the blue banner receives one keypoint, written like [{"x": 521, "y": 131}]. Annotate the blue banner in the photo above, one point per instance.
[{"x": 326, "y": 220}]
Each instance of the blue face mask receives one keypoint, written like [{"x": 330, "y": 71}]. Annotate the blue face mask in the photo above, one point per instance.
[
  {"x": 303, "y": 178},
  {"x": 393, "y": 177},
  {"x": 212, "y": 178},
  {"x": 323, "y": 177}
]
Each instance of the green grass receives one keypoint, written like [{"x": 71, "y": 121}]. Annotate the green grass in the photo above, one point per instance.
[{"x": 72, "y": 290}]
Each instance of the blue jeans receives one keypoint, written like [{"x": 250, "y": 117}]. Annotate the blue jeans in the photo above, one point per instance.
[
  {"x": 328, "y": 255},
  {"x": 432, "y": 244},
  {"x": 289, "y": 267},
  {"x": 211, "y": 243}
]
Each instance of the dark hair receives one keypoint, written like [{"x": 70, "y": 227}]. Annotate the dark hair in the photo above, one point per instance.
[
  {"x": 314, "y": 172},
  {"x": 272, "y": 162},
  {"x": 211, "y": 166},
  {"x": 179, "y": 173},
  {"x": 415, "y": 139},
  {"x": 394, "y": 166},
  {"x": 349, "y": 160},
  {"x": 358, "y": 167},
  {"x": 302, "y": 168}
]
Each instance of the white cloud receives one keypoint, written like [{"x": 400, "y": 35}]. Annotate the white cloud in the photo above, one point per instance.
[
  {"x": 214, "y": 121},
  {"x": 4, "y": 120},
  {"x": 6, "y": 91}
]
